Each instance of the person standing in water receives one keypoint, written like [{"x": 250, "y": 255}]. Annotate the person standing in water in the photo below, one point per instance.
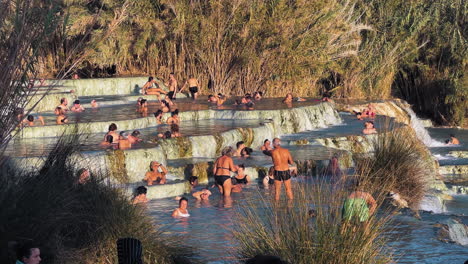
[
  {"x": 193, "y": 85},
  {"x": 281, "y": 161},
  {"x": 358, "y": 207},
  {"x": 222, "y": 171},
  {"x": 172, "y": 84}
]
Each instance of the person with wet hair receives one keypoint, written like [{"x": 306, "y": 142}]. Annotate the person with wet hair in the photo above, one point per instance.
[
  {"x": 174, "y": 119},
  {"x": 369, "y": 128},
  {"x": 61, "y": 117},
  {"x": 266, "y": 145},
  {"x": 181, "y": 211},
  {"x": 29, "y": 121},
  {"x": 140, "y": 195},
  {"x": 165, "y": 106},
  {"x": 135, "y": 137},
  {"x": 63, "y": 106},
  {"x": 240, "y": 145},
  {"x": 94, "y": 104},
  {"x": 222, "y": 171},
  {"x": 241, "y": 177},
  {"x": 175, "y": 131},
  {"x": 158, "y": 115},
  {"x": 28, "y": 253},
  {"x": 452, "y": 140},
  {"x": 77, "y": 107},
  {"x": 246, "y": 152},
  {"x": 124, "y": 143},
  {"x": 156, "y": 175},
  {"x": 112, "y": 132}
]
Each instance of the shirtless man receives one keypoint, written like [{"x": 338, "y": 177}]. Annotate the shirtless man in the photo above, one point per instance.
[
  {"x": 217, "y": 99},
  {"x": 453, "y": 140},
  {"x": 124, "y": 143},
  {"x": 77, "y": 107},
  {"x": 63, "y": 106},
  {"x": 29, "y": 121},
  {"x": 281, "y": 161},
  {"x": 172, "y": 84},
  {"x": 157, "y": 174},
  {"x": 193, "y": 85}
]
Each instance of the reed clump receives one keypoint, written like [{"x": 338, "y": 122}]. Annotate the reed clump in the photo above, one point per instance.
[
  {"x": 296, "y": 234},
  {"x": 73, "y": 222},
  {"x": 401, "y": 163}
]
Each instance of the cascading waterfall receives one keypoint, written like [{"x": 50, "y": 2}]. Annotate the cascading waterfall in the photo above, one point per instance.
[{"x": 421, "y": 131}]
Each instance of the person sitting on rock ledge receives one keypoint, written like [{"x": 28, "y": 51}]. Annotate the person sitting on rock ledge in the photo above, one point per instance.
[
  {"x": 174, "y": 119},
  {"x": 369, "y": 128},
  {"x": 140, "y": 196},
  {"x": 149, "y": 88},
  {"x": 156, "y": 175}
]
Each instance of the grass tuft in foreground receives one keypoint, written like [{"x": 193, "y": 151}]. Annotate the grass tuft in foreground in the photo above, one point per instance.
[
  {"x": 76, "y": 223},
  {"x": 293, "y": 234}
]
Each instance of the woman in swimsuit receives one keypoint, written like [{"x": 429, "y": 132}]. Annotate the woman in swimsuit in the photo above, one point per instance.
[
  {"x": 158, "y": 115},
  {"x": 182, "y": 210},
  {"x": 241, "y": 178},
  {"x": 165, "y": 106},
  {"x": 222, "y": 171}
]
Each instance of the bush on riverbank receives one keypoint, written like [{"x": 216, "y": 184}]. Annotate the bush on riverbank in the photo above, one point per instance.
[
  {"x": 75, "y": 223},
  {"x": 291, "y": 233},
  {"x": 400, "y": 162}
]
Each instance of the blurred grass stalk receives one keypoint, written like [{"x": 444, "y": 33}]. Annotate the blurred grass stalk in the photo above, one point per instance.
[{"x": 72, "y": 222}]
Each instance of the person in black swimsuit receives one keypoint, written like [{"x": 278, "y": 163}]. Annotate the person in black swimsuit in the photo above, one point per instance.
[
  {"x": 241, "y": 178},
  {"x": 222, "y": 170}
]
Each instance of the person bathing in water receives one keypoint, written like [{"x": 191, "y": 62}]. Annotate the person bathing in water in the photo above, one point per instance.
[
  {"x": 240, "y": 146},
  {"x": 124, "y": 143},
  {"x": 156, "y": 175},
  {"x": 217, "y": 99},
  {"x": 266, "y": 146},
  {"x": 140, "y": 195},
  {"x": 181, "y": 211},
  {"x": 174, "y": 119},
  {"x": 158, "y": 115},
  {"x": 369, "y": 128},
  {"x": 241, "y": 177},
  {"x": 77, "y": 107},
  {"x": 289, "y": 99},
  {"x": 135, "y": 137},
  {"x": 63, "y": 106},
  {"x": 204, "y": 194},
  {"x": 281, "y": 160},
  {"x": 165, "y": 106},
  {"x": 452, "y": 140},
  {"x": 222, "y": 170},
  {"x": 61, "y": 117}
]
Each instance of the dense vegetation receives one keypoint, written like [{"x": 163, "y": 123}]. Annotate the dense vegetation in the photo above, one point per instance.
[
  {"x": 415, "y": 50},
  {"x": 72, "y": 222}
]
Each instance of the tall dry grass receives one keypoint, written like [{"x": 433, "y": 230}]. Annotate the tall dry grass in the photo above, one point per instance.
[
  {"x": 291, "y": 233},
  {"x": 76, "y": 223},
  {"x": 401, "y": 163}
]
